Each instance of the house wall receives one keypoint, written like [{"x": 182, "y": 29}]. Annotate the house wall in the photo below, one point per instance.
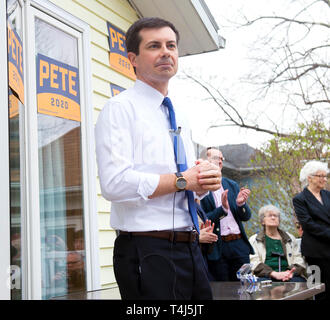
[{"x": 96, "y": 13}]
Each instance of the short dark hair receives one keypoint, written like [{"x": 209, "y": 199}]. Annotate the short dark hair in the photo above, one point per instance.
[
  {"x": 133, "y": 38},
  {"x": 204, "y": 152}
]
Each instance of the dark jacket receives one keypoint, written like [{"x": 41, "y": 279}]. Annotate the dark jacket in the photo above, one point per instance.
[
  {"x": 315, "y": 221},
  {"x": 240, "y": 214}
]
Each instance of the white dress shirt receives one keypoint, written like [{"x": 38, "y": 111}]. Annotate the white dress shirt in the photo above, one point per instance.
[{"x": 133, "y": 147}]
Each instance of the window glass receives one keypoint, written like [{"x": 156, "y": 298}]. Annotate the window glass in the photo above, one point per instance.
[{"x": 60, "y": 164}]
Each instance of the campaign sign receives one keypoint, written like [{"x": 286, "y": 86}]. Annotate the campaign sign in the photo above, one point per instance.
[
  {"x": 13, "y": 105},
  {"x": 58, "y": 92},
  {"x": 118, "y": 52},
  {"x": 115, "y": 89},
  {"x": 15, "y": 63}
]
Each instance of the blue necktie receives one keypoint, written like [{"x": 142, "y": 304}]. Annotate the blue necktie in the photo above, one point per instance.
[{"x": 181, "y": 160}]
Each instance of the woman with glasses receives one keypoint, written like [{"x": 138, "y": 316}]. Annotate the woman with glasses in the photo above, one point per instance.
[
  {"x": 277, "y": 254},
  {"x": 312, "y": 207}
]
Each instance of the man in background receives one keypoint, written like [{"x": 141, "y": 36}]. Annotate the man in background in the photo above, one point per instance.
[{"x": 227, "y": 208}]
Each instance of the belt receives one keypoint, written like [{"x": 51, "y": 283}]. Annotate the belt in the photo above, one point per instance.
[
  {"x": 172, "y": 236},
  {"x": 231, "y": 237}
]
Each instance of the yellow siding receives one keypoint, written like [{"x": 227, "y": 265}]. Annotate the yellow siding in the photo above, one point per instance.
[{"x": 96, "y": 13}]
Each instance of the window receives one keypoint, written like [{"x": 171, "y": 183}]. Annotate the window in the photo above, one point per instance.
[{"x": 53, "y": 226}]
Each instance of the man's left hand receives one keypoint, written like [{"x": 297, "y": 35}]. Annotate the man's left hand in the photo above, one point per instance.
[{"x": 242, "y": 196}]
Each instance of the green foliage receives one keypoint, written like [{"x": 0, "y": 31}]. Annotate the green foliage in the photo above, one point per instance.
[{"x": 277, "y": 167}]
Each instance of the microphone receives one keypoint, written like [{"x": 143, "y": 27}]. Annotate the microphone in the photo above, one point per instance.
[{"x": 176, "y": 132}]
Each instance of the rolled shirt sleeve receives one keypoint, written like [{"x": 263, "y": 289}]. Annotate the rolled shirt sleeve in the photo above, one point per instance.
[{"x": 120, "y": 181}]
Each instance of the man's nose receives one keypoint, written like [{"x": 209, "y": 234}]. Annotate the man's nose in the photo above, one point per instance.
[{"x": 165, "y": 51}]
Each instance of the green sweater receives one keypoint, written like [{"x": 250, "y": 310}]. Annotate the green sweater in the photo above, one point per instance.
[{"x": 273, "y": 245}]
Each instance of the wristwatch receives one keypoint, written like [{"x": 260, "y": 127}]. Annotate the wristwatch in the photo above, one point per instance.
[{"x": 180, "y": 182}]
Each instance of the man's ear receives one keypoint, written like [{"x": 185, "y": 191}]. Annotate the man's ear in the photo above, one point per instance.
[{"x": 132, "y": 58}]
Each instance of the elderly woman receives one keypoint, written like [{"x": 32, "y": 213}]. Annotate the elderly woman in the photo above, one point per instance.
[
  {"x": 277, "y": 255},
  {"x": 312, "y": 207}
]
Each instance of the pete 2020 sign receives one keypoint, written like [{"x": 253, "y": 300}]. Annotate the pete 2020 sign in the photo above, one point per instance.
[
  {"x": 58, "y": 92},
  {"x": 118, "y": 52},
  {"x": 15, "y": 63},
  {"x": 115, "y": 89}
]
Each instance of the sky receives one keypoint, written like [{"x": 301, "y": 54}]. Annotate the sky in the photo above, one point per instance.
[{"x": 224, "y": 69}]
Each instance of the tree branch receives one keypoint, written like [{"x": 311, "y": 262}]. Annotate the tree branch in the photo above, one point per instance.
[{"x": 239, "y": 123}]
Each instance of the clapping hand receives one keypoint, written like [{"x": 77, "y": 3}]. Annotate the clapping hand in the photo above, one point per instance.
[
  {"x": 242, "y": 196},
  {"x": 206, "y": 232}
]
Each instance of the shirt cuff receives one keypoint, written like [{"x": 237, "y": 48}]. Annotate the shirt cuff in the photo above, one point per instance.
[
  {"x": 148, "y": 184},
  {"x": 202, "y": 196}
]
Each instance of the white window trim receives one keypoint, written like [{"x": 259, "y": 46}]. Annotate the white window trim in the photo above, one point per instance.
[
  {"x": 4, "y": 162},
  {"x": 88, "y": 151}
]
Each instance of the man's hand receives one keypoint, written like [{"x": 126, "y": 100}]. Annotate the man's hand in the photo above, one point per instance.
[
  {"x": 242, "y": 196},
  {"x": 206, "y": 232},
  {"x": 204, "y": 176},
  {"x": 224, "y": 200}
]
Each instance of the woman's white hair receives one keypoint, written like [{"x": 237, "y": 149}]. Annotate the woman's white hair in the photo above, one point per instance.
[
  {"x": 268, "y": 208},
  {"x": 310, "y": 168}
]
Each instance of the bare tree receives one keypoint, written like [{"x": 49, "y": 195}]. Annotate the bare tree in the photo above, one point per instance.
[
  {"x": 291, "y": 65},
  {"x": 299, "y": 47}
]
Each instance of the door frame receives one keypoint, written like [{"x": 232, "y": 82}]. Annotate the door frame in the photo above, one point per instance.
[
  {"x": 4, "y": 161},
  {"x": 50, "y": 12}
]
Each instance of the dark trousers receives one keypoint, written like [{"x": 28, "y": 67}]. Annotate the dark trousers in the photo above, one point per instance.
[
  {"x": 150, "y": 268},
  {"x": 324, "y": 265},
  {"x": 233, "y": 255}
]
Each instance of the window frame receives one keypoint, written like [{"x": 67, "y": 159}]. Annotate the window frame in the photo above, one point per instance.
[{"x": 63, "y": 20}]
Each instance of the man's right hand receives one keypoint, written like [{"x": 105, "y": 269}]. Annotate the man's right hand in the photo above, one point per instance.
[{"x": 204, "y": 176}]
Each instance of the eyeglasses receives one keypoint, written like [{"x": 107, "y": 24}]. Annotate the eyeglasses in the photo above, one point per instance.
[
  {"x": 218, "y": 158},
  {"x": 271, "y": 215},
  {"x": 320, "y": 176}
]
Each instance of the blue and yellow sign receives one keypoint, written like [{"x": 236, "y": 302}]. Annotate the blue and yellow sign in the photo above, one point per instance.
[
  {"x": 118, "y": 52},
  {"x": 115, "y": 89},
  {"x": 15, "y": 63},
  {"x": 58, "y": 92}
]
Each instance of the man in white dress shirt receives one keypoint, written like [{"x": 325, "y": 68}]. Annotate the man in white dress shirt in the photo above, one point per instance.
[{"x": 156, "y": 254}]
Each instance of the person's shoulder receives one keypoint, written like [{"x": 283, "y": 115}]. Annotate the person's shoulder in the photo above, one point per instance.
[
  {"x": 122, "y": 97},
  {"x": 122, "y": 101},
  {"x": 253, "y": 237},
  {"x": 326, "y": 192},
  {"x": 299, "y": 196},
  {"x": 293, "y": 238},
  {"x": 230, "y": 182}
]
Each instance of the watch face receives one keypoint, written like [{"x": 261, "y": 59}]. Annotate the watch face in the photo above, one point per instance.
[{"x": 181, "y": 183}]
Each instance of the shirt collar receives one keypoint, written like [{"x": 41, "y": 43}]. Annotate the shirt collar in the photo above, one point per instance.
[
  {"x": 150, "y": 95},
  {"x": 285, "y": 237}
]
